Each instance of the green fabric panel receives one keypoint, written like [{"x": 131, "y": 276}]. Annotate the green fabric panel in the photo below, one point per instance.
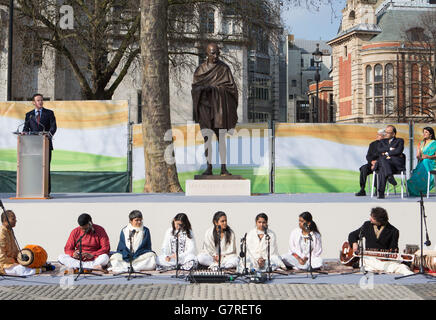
[
  {"x": 8, "y": 180},
  {"x": 72, "y": 182}
]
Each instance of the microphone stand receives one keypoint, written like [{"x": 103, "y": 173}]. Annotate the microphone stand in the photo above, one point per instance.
[
  {"x": 267, "y": 237},
  {"x": 130, "y": 268},
  {"x": 310, "y": 269},
  {"x": 362, "y": 253},
  {"x": 81, "y": 270},
  {"x": 219, "y": 249},
  {"x": 177, "y": 256},
  {"x": 13, "y": 234},
  {"x": 427, "y": 243},
  {"x": 243, "y": 254}
]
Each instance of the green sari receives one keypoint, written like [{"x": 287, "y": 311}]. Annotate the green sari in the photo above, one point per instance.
[{"x": 418, "y": 181}]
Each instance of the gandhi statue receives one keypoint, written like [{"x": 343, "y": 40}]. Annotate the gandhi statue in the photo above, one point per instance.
[{"x": 215, "y": 101}]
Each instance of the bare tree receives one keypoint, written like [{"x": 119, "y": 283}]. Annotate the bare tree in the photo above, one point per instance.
[
  {"x": 103, "y": 39},
  {"x": 186, "y": 33}
]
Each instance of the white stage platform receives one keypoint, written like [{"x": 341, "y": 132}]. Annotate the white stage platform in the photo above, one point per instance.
[{"x": 49, "y": 222}]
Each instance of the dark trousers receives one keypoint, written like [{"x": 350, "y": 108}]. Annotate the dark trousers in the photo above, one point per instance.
[
  {"x": 365, "y": 171},
  {"x": 387, "y": 167},
  {"x": 49, "y": 176}
]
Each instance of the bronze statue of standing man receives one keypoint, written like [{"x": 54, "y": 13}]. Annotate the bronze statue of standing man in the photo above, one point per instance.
[{"x": 215, "y": 101}]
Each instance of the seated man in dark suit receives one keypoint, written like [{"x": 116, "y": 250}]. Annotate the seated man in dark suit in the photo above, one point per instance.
[
  {"x": 41, "y": 119},
  {"x": 372, "y": 157},
  {"x": 391, "y": 159}
]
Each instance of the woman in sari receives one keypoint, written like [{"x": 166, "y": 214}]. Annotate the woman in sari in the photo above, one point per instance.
[{"x": 426, "y": 155}]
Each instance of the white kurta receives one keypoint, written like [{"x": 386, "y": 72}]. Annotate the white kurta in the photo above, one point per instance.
[
  {"x": 258, "y": 248},
  {"x": 300, "y": 245},
  {"x": 376, "y": 265},
  {"x": 19, "y": 270},
  {"x": 187, "y": 251},
  {"x": 229, "y": 257},
  {"x": 71, "y": 263}
]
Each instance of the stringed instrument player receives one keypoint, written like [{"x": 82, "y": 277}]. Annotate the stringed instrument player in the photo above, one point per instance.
[{"x": 349, "y": 257}]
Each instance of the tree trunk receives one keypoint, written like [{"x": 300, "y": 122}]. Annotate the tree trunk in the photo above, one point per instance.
[{"x": 159, "y": 175}]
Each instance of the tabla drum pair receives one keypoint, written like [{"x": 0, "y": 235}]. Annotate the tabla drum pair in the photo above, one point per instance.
[
  {"x": 429, "y": 257},
  {"x": 37, "y": 256}
]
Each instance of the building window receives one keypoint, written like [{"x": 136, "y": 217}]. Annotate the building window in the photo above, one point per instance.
[
  {"x": 378, "y": 89},
  {"x": 374, "y": 89},
  {"x": 207, "y": 21},
  {"x": 32, "y": 50},
  {"x": 416, "y": 34},
  {"x": 369, "y": 94},
  {"x": 227, "y": 27},
  {"x": 331, "y": 107},
  {"x": 420, "y": 88},
  {"x": 294, "y": 83},
  {"x": 263, "y": 65},
  {"x": 303, "y": 111},
  {"x": 345, "y": 51},
  {"x": 389, "y": 89}
]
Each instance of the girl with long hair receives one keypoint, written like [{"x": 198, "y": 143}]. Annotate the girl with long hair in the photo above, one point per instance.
[
  {"x": 219, "y": 236},
  {"x": 299, "y": 244},
  {"x": 180, "y": 230}
]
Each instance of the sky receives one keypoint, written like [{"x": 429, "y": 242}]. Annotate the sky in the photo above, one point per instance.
[{"x": 313, "y": 24}]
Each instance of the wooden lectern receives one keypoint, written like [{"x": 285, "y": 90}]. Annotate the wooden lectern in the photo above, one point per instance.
[{"x": 32, "y": 165}]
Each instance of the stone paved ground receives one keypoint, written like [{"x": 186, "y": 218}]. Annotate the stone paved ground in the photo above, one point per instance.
[{"x": 220, "y": 292}]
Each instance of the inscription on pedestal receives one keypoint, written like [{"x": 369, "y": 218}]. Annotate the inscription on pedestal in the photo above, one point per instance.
[{"x": 219, "y": 187}]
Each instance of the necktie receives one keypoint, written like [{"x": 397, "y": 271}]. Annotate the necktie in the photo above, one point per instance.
[{"x": 38, "y": 117}]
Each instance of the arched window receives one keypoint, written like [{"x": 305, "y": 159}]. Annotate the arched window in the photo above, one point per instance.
[
  {"x": 378, "y": 89},
  {"x": 389, "y": 88},
  {"x": 369, "y": 91},
  {"x": 207, "y": 20}
]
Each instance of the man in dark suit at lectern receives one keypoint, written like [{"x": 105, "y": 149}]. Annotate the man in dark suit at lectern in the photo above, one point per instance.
[
  {"x": 391, "y": 159},
  {"x": 41, "y": 119}
]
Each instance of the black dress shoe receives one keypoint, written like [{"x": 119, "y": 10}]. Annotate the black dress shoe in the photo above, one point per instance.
[
  {"x": 360, "y": 193},
  {"x": 392, "y": 181},
  {"x": 381, "y": 196}
]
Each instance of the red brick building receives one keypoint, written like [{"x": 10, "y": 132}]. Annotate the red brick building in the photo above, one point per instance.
[
  {"x": 324, "y": 110},
  {"x": 380, "y": 70}
]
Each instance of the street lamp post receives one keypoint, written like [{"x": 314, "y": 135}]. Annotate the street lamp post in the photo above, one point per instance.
[{"x": 317, "y": 58}]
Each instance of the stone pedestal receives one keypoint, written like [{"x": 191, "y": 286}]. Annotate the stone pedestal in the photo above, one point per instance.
[{"x": 218, "y": 186}]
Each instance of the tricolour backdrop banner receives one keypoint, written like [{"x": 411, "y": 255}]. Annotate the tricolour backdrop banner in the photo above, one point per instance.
[
  {"x": 325, "y": 157},
  {"x": 91, "y": 139},
  {"x": 308, "y": 158}
]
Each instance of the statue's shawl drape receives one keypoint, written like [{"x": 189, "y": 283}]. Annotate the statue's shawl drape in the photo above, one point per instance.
[{"x": 223, "y": 98}]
